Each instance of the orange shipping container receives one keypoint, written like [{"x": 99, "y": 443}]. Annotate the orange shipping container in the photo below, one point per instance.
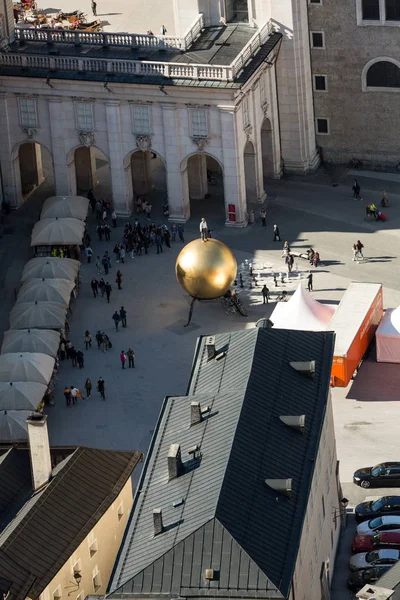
[{"x": 354, "y": 323}]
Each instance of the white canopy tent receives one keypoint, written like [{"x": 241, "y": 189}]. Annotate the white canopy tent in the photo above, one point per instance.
[
  {"x": 65, "y": 206},
  {"x": 388, "y": 337},
  {"x": 38, "y": 315},
  {"x": 46, "y": 290},
  {"x": 13, "y": 427},
  {"x": 45, "y": 341},
  {"x": 58, "y": 232},
  {"x": 51, "y": 267},
  {"x": 26, "y": 366},
  {"x": 302, "y": 312}
]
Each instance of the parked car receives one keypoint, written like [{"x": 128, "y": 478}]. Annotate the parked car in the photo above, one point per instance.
[
  {"x": 382, "y": 475},
  {"x": 387, "y": 505},
  {"x": 358, "y": 579},
  {"x": 383, "y": 558},
  {"x": 388, "y": 523},
  {"x": 385, "y": 539}
]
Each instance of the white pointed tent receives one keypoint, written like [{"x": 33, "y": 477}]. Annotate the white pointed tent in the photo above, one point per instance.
[
  {"x": 303, "y": 312},
  {"x": 388, "y": 337}
]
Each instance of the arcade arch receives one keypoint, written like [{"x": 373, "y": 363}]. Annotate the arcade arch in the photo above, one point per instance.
[
  {"x": 33, "y": 167},
  {"x": 267, "y": 149},
  {"x": 91, "y": 171},
  {"x": 203, "y": 186}
]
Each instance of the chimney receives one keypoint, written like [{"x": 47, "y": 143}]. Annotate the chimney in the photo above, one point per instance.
[
  {"x": 195, "y": 413},
  {"x": 157, "y": 521},
  {"x": 174, "y": 461},
  {"x": 39, "y": 450},
  {"x": 210, "y": 345}
]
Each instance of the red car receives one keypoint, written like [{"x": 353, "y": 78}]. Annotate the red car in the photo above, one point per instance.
[{"x": 384, "y": 539}]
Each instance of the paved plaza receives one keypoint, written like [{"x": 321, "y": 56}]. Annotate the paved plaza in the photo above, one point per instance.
[{"x": 309, "y": 212}]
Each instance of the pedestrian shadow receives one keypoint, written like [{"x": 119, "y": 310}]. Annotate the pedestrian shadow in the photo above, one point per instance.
[
  {"x": 330, "y": 263},
  {"x": 108, "y": 15},
  {"x": 338, "y": 289}
]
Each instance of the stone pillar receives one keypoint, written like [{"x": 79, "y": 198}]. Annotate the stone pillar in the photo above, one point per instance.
[
  {"x": 197, "y": 175},
  {"x": 141, "y": 172},
  {"x": 85, "y": 168},
  {"x": 121, "y": 190},
  {"x": 57, "y": 129},
  {"x": 234, "y": 184},
  {"x": 260, "y": 194},
  {"x": 9, "y": 156},
  {"x": 177, "y": 181}
]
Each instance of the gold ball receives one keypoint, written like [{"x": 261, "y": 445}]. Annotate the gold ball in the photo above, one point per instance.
[{"x": 206, "y": 270}]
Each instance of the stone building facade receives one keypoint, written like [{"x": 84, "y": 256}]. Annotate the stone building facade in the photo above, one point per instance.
[
  {"x": 356, "y": 78},
  {"x": 245, "y": 120}
]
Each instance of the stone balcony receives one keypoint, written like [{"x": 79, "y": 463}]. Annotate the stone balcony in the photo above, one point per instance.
[{"x": 217, "y": 54}]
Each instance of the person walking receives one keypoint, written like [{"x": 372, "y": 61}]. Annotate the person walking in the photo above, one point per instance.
[
  {"x": 167, "y": 238},
  {"x": 102, "y": 287},
  {"x": 131, "y": 358},
  {"x": 355, "y": 252},
  {"x": 173, "y": 231},
  {"x": 158, "y": 241},
  {"x": 356, "y": 190},
  {"x": 203, "y": 229},
  {"x": 99, "y": 266},
  {"x": 265, "y": 294},
  {"x": 289, "y": 262},
  {"x": 80, "y": 359},
  {"x": 360, "y": 247},
  {"x": 384, "y": 200},
  {"x": 114, "y": 218},
  {"x": 89, "y": 254},
  {"x": 99, "y": 338},
  {"x": 116, "y": 318},
  {"x": 122, "y": 314},
  {"x": 68, "y": 346},
  {"x": 122, "y": 357},
  {"x": 163, "y": 30},
  {"x": 74, "y": 394},
  {"x": 277, "y": 235},
  {"x": 94, "y": 284},
  {"x": 107, "y": 232},
  {"x": 118, "y": 279},
  {"x": 263, "y": 216},
  {"x": 67, "y": 395},
  {"x": 108, "y": 289},
  {"x": 94, "y": 8},
  {"x": 88, "y": 340},
  {"x": 105, "y": 340},
  {"x": 180, "y": 233},
  {"x": 310, "y": 282},
  {"x": 88, "y": 388},
  {"x": 101, "y": 387},
  {"x": 72, "y": 354},
  {"x": 62, "y": 350},
  {"x": 122, "y": 254}
]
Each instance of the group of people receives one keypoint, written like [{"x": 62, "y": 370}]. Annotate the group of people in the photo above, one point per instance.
[
  {"x": 72, "y": 394},
  {"x": 313, "y": 257}
]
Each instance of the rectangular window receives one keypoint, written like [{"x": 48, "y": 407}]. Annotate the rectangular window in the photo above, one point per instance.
[
  {"x": 246, "y": 113},
  {"x": 120, "y": 512},
  {"x": 317, "y": 39},
  {"x": 322, "y": 126},
  {"x": 262, "y": 90},
  {"x": 28, "y": 112},
  {"x": 57, "y": 594},
  {"x": 323, "y": 506},
  {"x": 199, "y": 123},
  {"x": 93, "y": 548},
  {"x": 320, "y": 83},
  {"x": 96, "y": 580},
  {"x": 331, "y": 538},
  {"x": 392, "y": 10},
  {"x": 84, "y": 116},
  {"x": 315, "y": 1},
  {"x": 370, "y": 10},
  {"x": 142, "y": 120}
]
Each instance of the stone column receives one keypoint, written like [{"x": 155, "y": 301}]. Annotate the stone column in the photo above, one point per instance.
[
  {"x": 58, "y": 137},
  {"x": 178, "y": 190},
  {"x": 197, "y": 175},
  {"x": 259, "y": 183},
  {"x": 11, "y": 179},
  {"x": 121, "y": 191},
  {"x": 234, "y": 184}
]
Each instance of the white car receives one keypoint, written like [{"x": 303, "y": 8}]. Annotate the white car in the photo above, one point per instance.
[
  {"x": 389, "y": 523},
  {"x": 381, "y": 558}
]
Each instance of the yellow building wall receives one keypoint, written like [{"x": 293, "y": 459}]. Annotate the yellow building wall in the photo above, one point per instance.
[{"x": 95, "y": 557}]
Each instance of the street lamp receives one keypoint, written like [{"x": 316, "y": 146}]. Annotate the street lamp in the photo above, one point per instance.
[{"x": 338, "y": 513}]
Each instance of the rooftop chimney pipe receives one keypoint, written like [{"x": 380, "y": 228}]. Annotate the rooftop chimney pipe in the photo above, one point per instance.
[
  {"x": 39, "y": 450},
  {"x": 195, "y": 413},
  {"x": 157, "y": 521},
  {"x": 174, "y": 461}
]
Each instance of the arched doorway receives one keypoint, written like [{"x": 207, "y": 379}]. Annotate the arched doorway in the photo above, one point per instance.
[
  {"x": 92, "y": 171},
  {"x": 204, "y": 185},
  {"x": 267, "y": 149},
  {"x": 250, "y": 174},
  {"x": 35, "y": 167},
  {"x": 149, "y": 177}
]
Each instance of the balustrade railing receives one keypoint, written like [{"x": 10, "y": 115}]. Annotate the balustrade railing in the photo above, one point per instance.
[{"x": 131, "y": 67}]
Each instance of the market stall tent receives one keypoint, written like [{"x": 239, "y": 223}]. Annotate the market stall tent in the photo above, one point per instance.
[
  {"x": 58, "y": 232},
  {"x": 45, "y": 341},
  {"x": 13, "y": 427},
  {"x": 26, "y": 366},
  {"x": 46, "y": 290},
  {"x": 21, "y": 395},
  {"x": 40, "y": 315},
  {"x": 51, "y": 267},
  {"x": 302, "y": 312},
  {"x": 388, "y": 337},
  {"x": 65, "y": 206}
]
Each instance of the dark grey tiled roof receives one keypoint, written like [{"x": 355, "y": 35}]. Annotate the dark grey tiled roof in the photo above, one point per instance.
[
  {"x": 230, "y": 519},
  {"x": 34, "y": 544},
  {"x": 223, "y": 55}
]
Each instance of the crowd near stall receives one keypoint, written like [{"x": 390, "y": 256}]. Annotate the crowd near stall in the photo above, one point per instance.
[{"x": 39, "y": 319}]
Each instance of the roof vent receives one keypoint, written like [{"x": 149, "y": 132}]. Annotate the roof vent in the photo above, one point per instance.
[
  {"x": 157, "y": 521},
  {"x": 197, "y": 413},
  {"x": 194, "y": 452},
  {"x": 295, "y": 422},
  {"x": 174, "y": 461},
  {"x": 210, "y": 345},
  {"x": 283, "y": 486},
  {"x": 306, "y": 368},
  {"x": 209, "y": 574}
]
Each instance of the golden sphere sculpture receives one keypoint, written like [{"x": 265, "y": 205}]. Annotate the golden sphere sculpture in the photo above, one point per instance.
[{"x": 206, "y": 270}]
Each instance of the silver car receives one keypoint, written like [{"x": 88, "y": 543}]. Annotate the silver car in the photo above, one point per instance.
[
  {"x": 381, "y": 558},
  {"x": 389, "y": 523}
]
